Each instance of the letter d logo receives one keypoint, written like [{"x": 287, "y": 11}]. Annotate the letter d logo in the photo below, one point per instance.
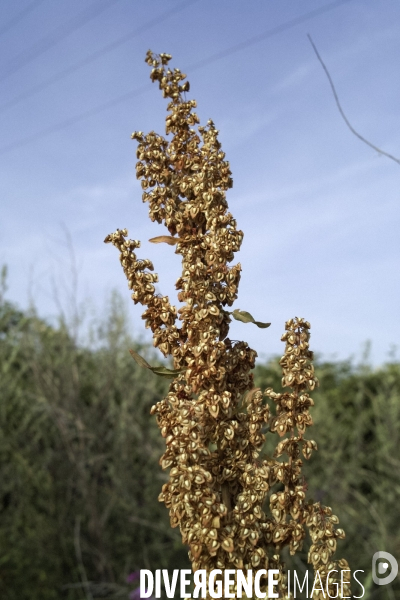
[{"x": 383, "y": 566}]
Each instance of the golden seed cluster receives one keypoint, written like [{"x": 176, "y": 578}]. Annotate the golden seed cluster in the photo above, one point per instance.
[
  {"x": 292, "y": 417},
  {"x": 212, "y": 418}
]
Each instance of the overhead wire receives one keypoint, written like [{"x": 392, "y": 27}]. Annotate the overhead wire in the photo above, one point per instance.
[
  {"x": 194, "y": 66},
  {"x": 76, "y": 119},
  {"x": 266, "y": 34},
  {"x": 96, "y": 55},
  {"x": 19, "y": 16},
  {"x": 58, "y": 34}
]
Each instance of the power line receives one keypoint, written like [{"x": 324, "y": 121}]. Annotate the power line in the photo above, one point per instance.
[
  {"x": 199, "y": 64},
  {"x": 60, "y": 33},
  {"x": 76, "y": 119},
  {"x": 267, "y": 34},
  {"x": 95, "y": 55},
  {"x": 18, "y": 17}
]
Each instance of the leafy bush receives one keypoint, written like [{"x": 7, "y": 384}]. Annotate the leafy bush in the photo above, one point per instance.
[
  {"x": 78, "y": 462},
  {"x": 79, "y": 458}
]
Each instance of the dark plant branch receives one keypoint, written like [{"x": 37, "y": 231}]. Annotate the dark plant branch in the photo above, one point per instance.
[
  {"x": 172, "y": 534},
  {"x": 78, "y": 552},
  {"x": 349, "y": 125}
]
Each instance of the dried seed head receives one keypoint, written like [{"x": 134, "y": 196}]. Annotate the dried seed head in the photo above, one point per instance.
[{"x": 212, "y": 426}]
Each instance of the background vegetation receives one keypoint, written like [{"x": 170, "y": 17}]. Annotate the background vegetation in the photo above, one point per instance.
[{"x": 79, "y": 473}]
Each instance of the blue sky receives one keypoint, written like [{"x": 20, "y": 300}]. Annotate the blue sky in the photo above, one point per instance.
[{"x": 319, "y": 209}]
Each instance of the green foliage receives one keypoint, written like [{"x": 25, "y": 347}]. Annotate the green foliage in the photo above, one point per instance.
[
  {"x": 78, "y": 462},
  {"x": 79, "y": 473}
]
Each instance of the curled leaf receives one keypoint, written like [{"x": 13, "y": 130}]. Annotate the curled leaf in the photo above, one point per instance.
[
  {"x": 167, "y": 239},
  {"x": 139, "y": 359},
  {"x": 164, "y": 372},
  {"x": 245, "y": 317},
  {"x": 161, "y": 371}
]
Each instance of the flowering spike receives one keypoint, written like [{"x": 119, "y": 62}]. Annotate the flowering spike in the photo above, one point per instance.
[{"x": 212, "y": 419}]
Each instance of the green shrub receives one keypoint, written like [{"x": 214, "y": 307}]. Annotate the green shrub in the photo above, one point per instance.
[
  {"x": 79, "y": 473},
  {"x": 78, "y": 462}
]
